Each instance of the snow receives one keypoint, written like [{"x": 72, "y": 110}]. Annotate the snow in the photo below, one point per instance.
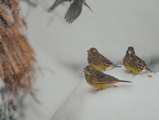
[
  {"x": 137, "y": 100},
  {"x": 52, "y": 88},
  {"x": 112, "y": 27}
]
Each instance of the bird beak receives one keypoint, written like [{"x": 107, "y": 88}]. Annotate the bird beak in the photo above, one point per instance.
[
  {"x": 87, "y": 6},
  {"x": 84, "y": 69},
  {"x": 87, "y": 50}
]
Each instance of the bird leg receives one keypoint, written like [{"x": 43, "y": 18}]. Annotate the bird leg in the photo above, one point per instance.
[{"x": 100, "y": 89}]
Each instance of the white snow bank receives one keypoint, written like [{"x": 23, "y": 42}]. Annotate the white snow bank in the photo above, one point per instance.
[
  {"x": 51, "y": 88},
  {"x": 127, "y": 101}
]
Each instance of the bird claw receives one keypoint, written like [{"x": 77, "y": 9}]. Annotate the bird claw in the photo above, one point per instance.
[{"x": 99, "y": 89}]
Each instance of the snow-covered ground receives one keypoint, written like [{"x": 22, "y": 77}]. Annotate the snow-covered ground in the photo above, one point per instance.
[
  {"x": 53, "y": 86},
  {"x": 111, "y": 28},
  {"x": 128, "y": 101}
]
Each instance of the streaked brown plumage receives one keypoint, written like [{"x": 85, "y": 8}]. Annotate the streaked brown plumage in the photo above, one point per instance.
[
  {"x": 132, "y": 62},
  {"x": 74, "y": 10},
  {"x": 98, "y": 79},
  {"x": 98, "y": 61}
]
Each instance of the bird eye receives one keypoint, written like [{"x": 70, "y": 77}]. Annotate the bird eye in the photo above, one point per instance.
[{"x": 94, "y": 50}]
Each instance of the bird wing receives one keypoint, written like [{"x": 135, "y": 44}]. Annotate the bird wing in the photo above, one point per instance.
[
  {"x": 74, "y": 11},
  {"x": 139, "y": 60},
  {"x": 102, "y": 78},
  {"x": 103, "y": 60},
  {"x": 56, "y": 3},
  {"x": 106, "y": 60}
]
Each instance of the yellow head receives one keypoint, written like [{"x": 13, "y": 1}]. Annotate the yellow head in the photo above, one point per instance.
[
  {"x": 89, "y": 70},
  {"x": 130, "y": 51},
  {"x": 92, "y": 52}
]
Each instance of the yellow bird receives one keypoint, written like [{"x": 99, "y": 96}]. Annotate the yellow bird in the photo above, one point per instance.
[
  {"x": 98, "y": 79},
  {"x": 133, "y": 63},
  {"x": 98, "y": 61},
  {"x": 74, "y": 10}
]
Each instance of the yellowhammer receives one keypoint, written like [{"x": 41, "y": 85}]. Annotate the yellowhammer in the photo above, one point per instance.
[
  {"x": 98, "y": 61},
  {"x": 133, "y": 63},
  {"x": 98, "y": 79},
  {"x": 74, "y": 10}
]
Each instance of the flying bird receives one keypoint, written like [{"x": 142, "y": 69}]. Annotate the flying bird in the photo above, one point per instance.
[{"x": 74, "y": 10}]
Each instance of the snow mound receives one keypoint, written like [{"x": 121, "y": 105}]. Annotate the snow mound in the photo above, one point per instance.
[
  {"x": 51, "y": 87},
  {"x": 127, "y": 101}
]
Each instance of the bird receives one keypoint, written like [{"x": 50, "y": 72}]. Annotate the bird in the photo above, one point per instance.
[
  {"x": 73, "y": 11},
  {"x": 98, "y": 61},
  {"x": 133, "y": 63},
  {"x": 98, "y": 79},
  {"x": 56, "y": 3}
]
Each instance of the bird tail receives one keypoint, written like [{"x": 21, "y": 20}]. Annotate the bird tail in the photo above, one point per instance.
[
  {"x": 53, "y": 7},
  {"x": 87, "y": 6},
  {"x": 116, "y": 66},
  {"x": 124, "y": 81},
  {"x": 57, "y": 2},
  {"x": 149, "y": 69}
]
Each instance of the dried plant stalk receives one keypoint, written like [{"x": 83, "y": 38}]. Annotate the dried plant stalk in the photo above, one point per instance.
[{"x": 16, "y": 56}]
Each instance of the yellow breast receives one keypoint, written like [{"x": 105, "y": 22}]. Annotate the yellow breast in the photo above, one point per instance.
[
  {"x": 129, "y": 65},
  {"x": 95, "y": 85},
  {"x": 99, "y": 67},
  {"x": 130, "y": 68}
]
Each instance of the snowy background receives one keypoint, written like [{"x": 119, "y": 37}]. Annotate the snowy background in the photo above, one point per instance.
[{"x": 111, "y": 28}]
